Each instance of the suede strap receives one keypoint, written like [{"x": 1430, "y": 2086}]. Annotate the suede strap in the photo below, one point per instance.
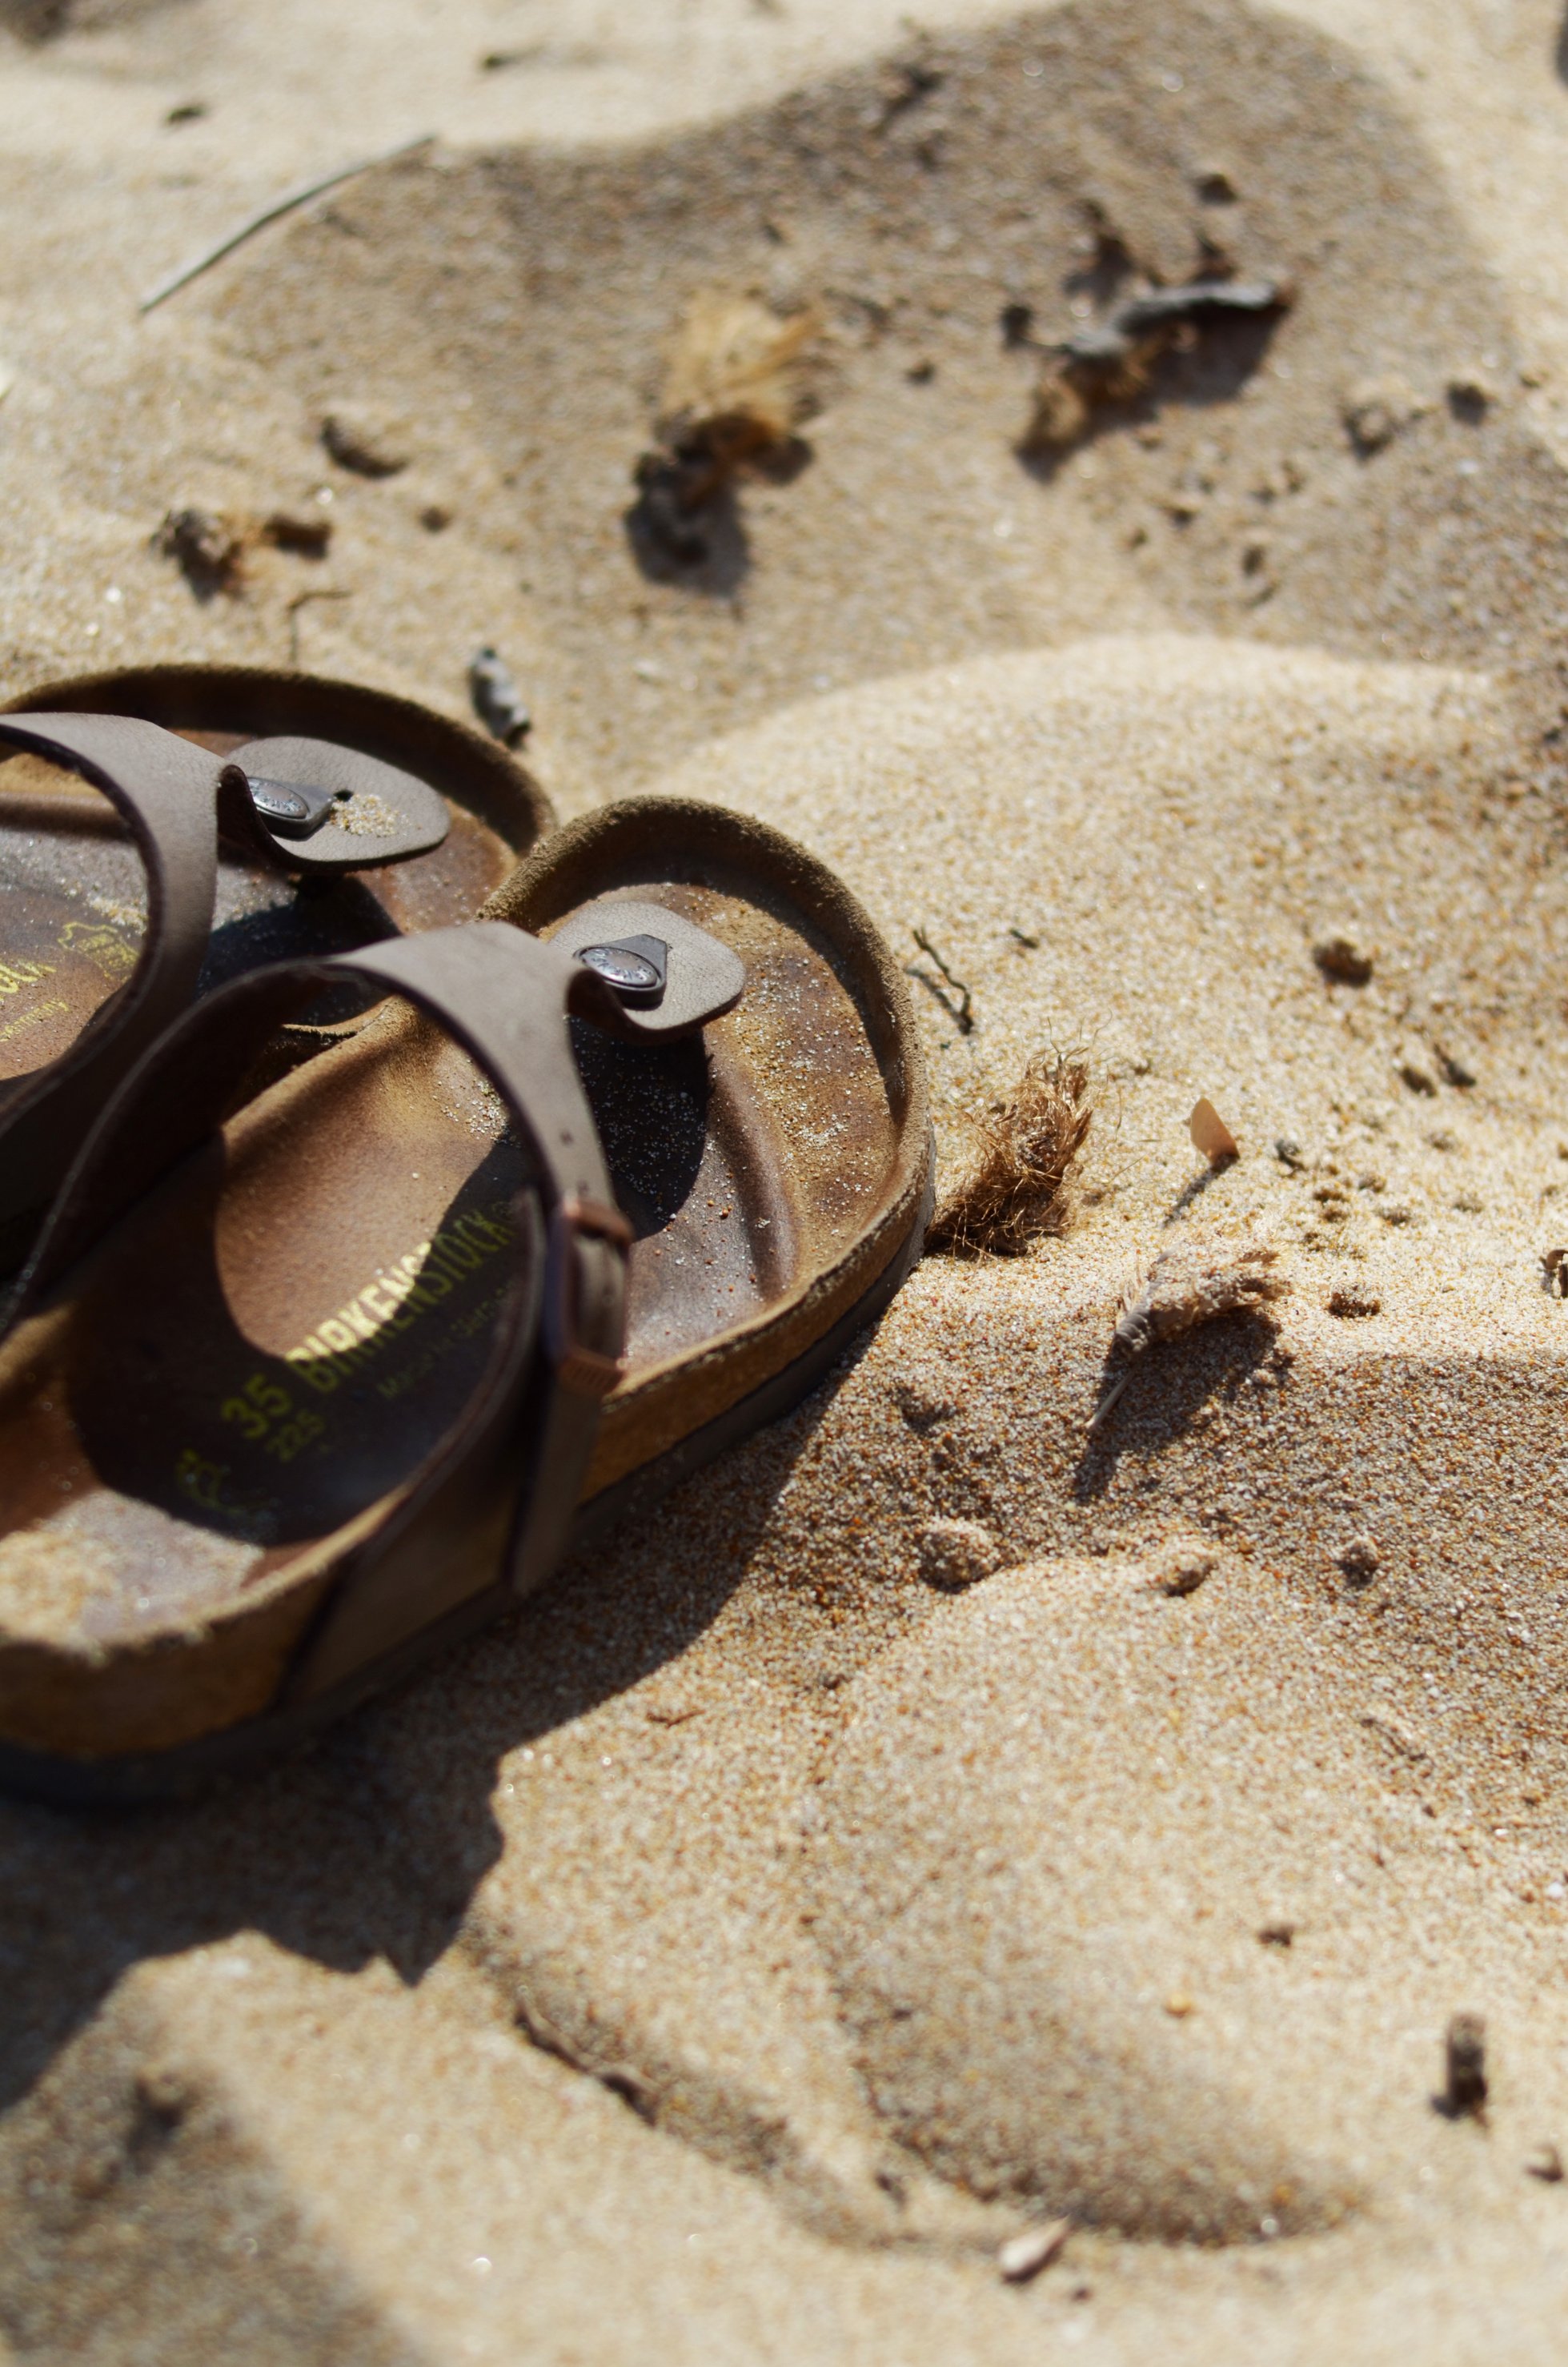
[{"x": 166, "y": 790}]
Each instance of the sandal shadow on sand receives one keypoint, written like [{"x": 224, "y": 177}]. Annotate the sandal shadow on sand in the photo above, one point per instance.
[{"x": 307, "y": 1382}]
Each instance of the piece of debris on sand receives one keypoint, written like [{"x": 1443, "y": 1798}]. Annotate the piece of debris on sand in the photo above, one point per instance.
[
  {"x": 498, "y": 702},
  {"x": 1023, "y": 2256},
  {"x": 953, "y": 1554},
  {"x": 211, "y": 548},
  {"x": 1211, "y": 1135},
  {"x": 738, "y": 386},
  {"x": 368, "y": 440},
  {"x": 304, "y": 532},
  {"x": 1109, "y": 362},
  {"x": 1464, "y": 2069},
  {"x": 955, "y": 998},
  {"x": 1187, "y": 1287},
  {"x": 1376, "y": 410},
  {"x": 1341, "y": 955},
  {"x": 1014, "y": 1192},
  {"x": 1183, "y": 1570}
]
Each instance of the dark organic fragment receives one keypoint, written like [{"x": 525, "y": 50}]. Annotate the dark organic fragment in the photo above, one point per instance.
[
  {"x": 209, "y": 546},
  {"x": 737, "y": 388},
  {"x": 307, "y": 534},
  {"x": 1464, "y": 2067},
  {"x": 367, "y": 441},
  {"x": 212, "y": 546},
  {"x": 498, "y": 702},
  {"x": 1343, "y": 957},
  {"x": 1110, "y": 361}
]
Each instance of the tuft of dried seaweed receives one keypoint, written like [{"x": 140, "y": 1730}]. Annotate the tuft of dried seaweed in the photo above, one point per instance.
[
  {"x": 737, "y": 386},
  {"x": 1187, "y": 1285},
  {"x": 1015, "y": 1191},
  {"x": 1111, "y": 361}
]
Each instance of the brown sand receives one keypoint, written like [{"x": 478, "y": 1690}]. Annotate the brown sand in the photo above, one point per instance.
[{"x": 723, "y": 1960}]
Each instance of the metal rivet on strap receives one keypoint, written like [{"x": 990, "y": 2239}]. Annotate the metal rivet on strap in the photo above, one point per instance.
[
  {"x": 636, "y": 966},
  {"x": 290, "y": 807}
]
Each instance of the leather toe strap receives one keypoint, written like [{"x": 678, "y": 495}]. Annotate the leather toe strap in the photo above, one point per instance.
[{"x": 166, "y": 790}]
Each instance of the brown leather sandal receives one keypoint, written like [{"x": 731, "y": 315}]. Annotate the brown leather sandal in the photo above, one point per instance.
[
  {"x": 345, "y": 816},
  {"x": 300, "y": 1389}
]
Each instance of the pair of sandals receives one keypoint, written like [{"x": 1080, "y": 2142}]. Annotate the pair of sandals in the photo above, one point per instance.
[{"x": 370, "y": 1254}]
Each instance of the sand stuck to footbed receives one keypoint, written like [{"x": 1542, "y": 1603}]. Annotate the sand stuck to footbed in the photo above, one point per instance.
[{"x": 1050, "y": 1777}]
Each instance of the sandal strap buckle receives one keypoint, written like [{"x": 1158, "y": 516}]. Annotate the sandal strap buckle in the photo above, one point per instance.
[{"x": 583, "y": 1370}]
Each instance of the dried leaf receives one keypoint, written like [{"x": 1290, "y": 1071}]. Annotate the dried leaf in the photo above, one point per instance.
[{"x": 1211, "y": 1135}]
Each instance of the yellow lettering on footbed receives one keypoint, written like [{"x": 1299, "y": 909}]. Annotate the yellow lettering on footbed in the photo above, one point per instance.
[
  {"x": 15, "y": 976},
  {"x": 30, "y": 1017},
  {"x": 359, "y": 1331},
  {"x": 100, "y": 944}
]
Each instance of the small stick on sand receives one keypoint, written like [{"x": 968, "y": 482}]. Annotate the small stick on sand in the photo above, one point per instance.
[
  {"x": 279, "y": 206},
  {"x": 962, "y": 1013}
]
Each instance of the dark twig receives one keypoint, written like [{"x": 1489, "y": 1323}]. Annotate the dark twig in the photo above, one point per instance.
[{"x": 961, "y": 1013}]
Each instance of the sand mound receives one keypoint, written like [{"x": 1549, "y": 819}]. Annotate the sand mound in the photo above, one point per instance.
[
  {"x": 1109, "y": 1901},
  {"x": 514, "y": 306}
]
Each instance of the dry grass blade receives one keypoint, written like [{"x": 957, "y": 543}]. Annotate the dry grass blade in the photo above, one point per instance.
[{"x": 1014, "y": 1193}]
